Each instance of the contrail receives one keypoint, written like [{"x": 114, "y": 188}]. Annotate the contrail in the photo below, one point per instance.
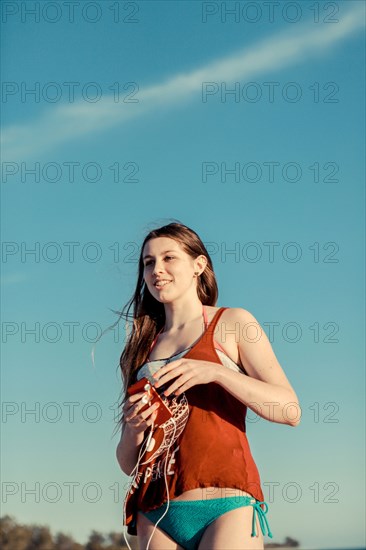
[{"x": 67, "y": 122}]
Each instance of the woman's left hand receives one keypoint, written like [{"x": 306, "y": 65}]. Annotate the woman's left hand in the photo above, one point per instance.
[{"x": 187, "y": 372}]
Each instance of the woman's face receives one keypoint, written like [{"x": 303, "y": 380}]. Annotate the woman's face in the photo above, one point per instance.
[{"x": 165, "y": 260}]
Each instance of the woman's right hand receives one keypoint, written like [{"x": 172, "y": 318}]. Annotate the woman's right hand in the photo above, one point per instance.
[{"x": 135, "y": 420}]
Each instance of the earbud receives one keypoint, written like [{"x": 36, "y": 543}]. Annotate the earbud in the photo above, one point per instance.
[{"x": 146, "y": 398}]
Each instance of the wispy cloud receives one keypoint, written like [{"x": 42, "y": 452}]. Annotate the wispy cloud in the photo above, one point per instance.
[
  {"x": 13, "y": 278},
  {"x": 71, "y": 121}
]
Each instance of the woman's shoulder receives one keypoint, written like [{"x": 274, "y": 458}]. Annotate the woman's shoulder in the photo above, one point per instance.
[{"x": 231, "y": 313}]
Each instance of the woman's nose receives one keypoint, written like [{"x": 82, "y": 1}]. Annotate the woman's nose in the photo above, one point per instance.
[{"x": 157, "y": 269}]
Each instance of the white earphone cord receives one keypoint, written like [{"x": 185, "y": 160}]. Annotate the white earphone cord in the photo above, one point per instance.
[
  {"x": 132, "y": 482},
  {"x": 147, "y": 439}
]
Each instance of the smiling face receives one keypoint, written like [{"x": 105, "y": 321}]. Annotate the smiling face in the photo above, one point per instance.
[{"x": 165, "y": 261}]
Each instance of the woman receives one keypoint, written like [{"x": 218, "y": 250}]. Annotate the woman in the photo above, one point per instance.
[{"x": 194, "y": 475}]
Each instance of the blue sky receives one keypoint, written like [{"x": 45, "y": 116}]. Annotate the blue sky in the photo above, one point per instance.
[{"x": 174, "y": 147}]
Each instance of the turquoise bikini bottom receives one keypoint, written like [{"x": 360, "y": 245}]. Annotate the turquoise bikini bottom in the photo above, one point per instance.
[{"x": 186, "y": 520}]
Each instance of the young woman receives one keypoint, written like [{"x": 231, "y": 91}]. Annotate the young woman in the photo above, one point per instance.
[{"x": 195, "y": 484}]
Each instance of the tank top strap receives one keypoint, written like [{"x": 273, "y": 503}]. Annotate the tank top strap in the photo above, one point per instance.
[{"x": 211, "y": 327}]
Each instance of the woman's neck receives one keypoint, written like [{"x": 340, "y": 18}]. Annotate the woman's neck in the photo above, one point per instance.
[{"x": 178, "y": 319}]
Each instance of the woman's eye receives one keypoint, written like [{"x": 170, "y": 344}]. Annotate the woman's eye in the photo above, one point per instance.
[{"x": 169, "y": 257}]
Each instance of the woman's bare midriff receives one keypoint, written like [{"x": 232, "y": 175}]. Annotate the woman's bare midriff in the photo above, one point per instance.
[{"x": 207, "y": 493}]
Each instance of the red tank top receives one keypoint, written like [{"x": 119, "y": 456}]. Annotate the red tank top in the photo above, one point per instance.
[{"x": 206, "y": 446}]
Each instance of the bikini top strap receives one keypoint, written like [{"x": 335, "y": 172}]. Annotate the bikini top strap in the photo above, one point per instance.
[
  {"x": 211, "y": 328},
  {"x": 205, "y": 316},
  {"x": 155, "y": 339}
]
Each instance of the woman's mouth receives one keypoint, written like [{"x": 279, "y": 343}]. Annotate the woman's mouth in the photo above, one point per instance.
[{"x": 161, "y": 284}]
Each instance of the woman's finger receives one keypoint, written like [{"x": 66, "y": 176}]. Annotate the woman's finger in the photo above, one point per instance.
[
  {"x": 154, "y": 408},
  {"x": 131, "y": 401},
  {"x": 134, "y": 414}
]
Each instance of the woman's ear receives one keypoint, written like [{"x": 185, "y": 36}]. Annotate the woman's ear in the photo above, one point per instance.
[{"x": 201, "y": 263}]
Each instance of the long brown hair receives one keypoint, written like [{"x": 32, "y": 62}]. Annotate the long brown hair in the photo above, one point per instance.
[{"x": 148, "y": 313}]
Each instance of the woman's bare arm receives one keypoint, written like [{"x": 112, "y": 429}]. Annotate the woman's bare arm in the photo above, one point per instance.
[
  {"x": 134, "y": 426},
  {"x": 128, "y": 449},
  {"x": 266, "y": 390}
]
